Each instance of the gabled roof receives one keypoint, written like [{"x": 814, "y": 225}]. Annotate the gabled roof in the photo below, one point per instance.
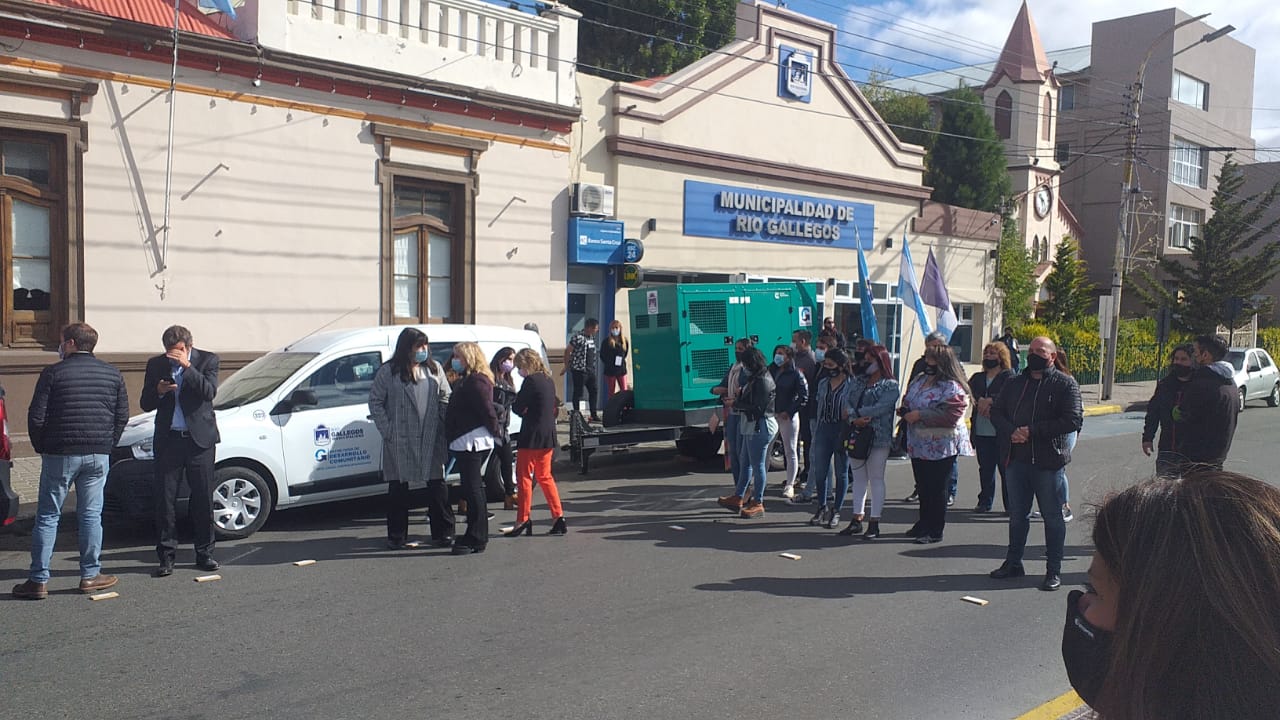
[
  {"x": 148, "y": 12},
  {"x": 1070, "y": 60},
  {"x": 1022, "y": 60}
]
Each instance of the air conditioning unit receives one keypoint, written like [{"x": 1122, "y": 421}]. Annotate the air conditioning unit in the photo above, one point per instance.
[{"x": 592, "y": 199}]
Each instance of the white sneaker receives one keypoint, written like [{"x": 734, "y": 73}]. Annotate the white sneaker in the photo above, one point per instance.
[
  {"x": 1035, "y": 515},
  {"x": 1067, "y": 515},
  {"x": 788, "y": 492}
]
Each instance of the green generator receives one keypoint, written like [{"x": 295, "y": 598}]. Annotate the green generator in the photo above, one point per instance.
[{"x": 682, "y": 339}]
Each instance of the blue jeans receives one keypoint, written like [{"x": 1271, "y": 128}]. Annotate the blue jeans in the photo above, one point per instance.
[
  {"x": 826, "y": 446},
  {"x": 58, "y": 473},
  {"x": 988, "y": 450},
  {"x": 1027, "y": 482},
  {"x": 1064, "y": 489},
  {"x": 731, "y": 443},
  {"x": 953, "y": 481},
  {"x": 753, "y": 459}
]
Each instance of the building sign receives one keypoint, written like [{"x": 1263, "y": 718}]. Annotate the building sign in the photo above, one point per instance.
[
  {"x": 795, "y": 73},
  {"x": 738, "y": 213},
  {"x": 595, "y": 242},
  {"x": 632, "y": 251},
  {"x": 632, "y": 276}
]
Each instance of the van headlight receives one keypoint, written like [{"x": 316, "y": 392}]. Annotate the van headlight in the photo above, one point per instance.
[{"x": 143, "y": 450}]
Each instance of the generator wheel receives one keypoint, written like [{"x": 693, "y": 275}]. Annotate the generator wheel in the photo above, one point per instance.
[{"x": 617, "y": 407}]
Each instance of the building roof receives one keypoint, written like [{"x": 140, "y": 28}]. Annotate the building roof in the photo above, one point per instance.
[
  {"x": 1022, "y": 60},
  {"x": 148, "y": 12},
  {"x": 1070, "y": 60}
]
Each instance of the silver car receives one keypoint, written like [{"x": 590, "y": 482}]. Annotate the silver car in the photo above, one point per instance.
[{"x": 1256, "y": 375}]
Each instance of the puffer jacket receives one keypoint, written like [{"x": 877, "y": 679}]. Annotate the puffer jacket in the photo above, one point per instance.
[
  {"x": 1049, "y": 407},
  {"x": 1208, "y": 413},
  {"x": 80, "y": 407},
  {"x": 792, "y": 390}
]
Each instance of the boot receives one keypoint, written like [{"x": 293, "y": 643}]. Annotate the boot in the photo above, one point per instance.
[
  {"x": 509, "y": 502},
  {"x": 873, "y": 530}
]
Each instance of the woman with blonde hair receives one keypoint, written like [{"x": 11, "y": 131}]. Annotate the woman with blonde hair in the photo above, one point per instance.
[
  {"x": 471, "y": 427},
  {"x": 536, "y": 406},
  {"x": 613, "y": 359},
  {"x": 986, "y": 385}
]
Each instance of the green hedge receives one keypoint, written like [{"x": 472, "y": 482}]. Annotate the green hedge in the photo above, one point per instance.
[
  {"x": 1139, "y": 357},
  {"x": 1269, "y": 340}
]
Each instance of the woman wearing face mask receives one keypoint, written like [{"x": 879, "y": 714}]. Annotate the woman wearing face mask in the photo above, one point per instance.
[
  {"x": 756, "y": 428},
  {"x": 828, "y": 431},
  {"x": 613, "y": 359},
  {"x": 793, "y": 395},
  {"x": 407, "y": 401},
  {"x": 934, "y": 409},
  {"x": 536, "y": 406},
  {"x": 872, "y": 405},
  {"x": 986, "y": 385},
  {"x": 471, "y": 429},
  {"x": 1163, "y": 408},
  {"x": 498, "y": 471},
  {"x": 1178, "y": 619}
]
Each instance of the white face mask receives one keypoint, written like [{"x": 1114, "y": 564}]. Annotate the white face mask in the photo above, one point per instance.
[{"x": 872, "y": 368}]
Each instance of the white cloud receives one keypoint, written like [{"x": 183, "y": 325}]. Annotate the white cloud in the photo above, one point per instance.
[{"x": 968, "y": 31}]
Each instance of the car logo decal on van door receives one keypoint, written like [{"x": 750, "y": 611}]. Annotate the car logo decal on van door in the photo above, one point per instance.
[{"x": 322, "y": 435}]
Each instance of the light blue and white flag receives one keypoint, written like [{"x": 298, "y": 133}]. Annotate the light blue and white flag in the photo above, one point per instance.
[
  {"x": 223, "y": 6},
  {"x": 909, "y": 289},
  {"x": 869, "y": 329}
]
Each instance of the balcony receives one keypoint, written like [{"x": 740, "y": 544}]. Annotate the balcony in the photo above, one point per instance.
[{"x": 466, "y": 43}]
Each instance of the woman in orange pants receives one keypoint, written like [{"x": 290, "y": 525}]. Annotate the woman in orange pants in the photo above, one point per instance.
[{"x": 536, "y": 406}]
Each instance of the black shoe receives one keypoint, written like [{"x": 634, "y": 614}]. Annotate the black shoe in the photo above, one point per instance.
[
  {"x": 915, "y": 531},
  {"x": 393, "y": 544},
  {"x": 165, "y": 570},
  {"x": 443, "y": 542},
  {"x": 853, "y": 528},
  {"x": 207, "y": 564},
  {"x": 928, "y": 540},
  {"x": 913, "y": 497},
  {"x": 833, "y": 520},
  {"x": 524, "y": 528},
  {"x": 1008, "y": 570},
  {"x": 595, "y": 418},
  {"x": 558, "y": 527},
  {"x": 819, "y": 516},
  {"x": 980, "y": 508},
  {"x": 873, "y": 530},
  {"x": 1051, "y": 581},
  {"x": 467, "y": 549}
]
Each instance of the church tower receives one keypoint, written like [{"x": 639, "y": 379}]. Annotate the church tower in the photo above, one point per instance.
[{"x": 1022, "y": 98}]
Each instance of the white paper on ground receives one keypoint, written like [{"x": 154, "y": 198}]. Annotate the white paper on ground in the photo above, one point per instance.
[
  {"x": 208, "y": 578},
  {"x": 304, "y": 563},
  {"x": 974, "y": 600},
  {"x": 789, "y": 556},
  {"x": 104, "y": 596}
]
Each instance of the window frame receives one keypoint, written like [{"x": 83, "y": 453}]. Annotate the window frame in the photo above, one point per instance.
[
  {"x": 1066, "y": 97},
  {"x": 1062, "y": 152},
  {"x": 1179, "y": 165},
  {"x": 1046, "y": 123},
  {"x": 1179, "y": 78},
  {"x": 1176, "y": 220},
  {"x": 1003, "y": 116}
]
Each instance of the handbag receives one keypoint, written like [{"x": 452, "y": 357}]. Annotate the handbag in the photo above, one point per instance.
[{"x": 857, "y": 440}]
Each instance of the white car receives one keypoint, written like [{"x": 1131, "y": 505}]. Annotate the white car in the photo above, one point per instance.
[
  {"x": 295, "y": 426},
  {"x": 1256, "y": 376}
]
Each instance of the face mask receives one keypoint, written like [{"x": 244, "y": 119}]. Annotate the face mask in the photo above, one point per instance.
[
  {"x": 62, "y": 351},
  {"x": 1086, "y": 651},
  {"x": 779, "y": 359},
  {"x": 858, "y": 355},
  {"x": 988, "y": 363},
  {"x": 506, "y": 366},
  {"x": 871, "y": 369},
  {"x": 457, "y": 365},
  {"x": 1182, "y": 371},
  {"x": 1037, "y": 362},
  {"x": 522, "y": 373},
  {"x": 930, "y": 369},
  {"x": 830, "y": 371},
  {"x": 421, "y": 356},
  {"x": 819, "y": 354},
  {"x": 615, "y": 331}
]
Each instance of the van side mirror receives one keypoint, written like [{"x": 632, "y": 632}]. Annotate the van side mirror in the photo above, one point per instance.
[{"x": 297, "y": 399}]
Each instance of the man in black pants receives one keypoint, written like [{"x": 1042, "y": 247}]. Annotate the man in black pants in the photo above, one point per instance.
[
  {"x": 580, "y": 358},
  {"x": 180, "y": 386}
]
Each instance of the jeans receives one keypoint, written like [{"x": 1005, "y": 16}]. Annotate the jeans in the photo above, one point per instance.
[
  {"x": 1064, "y": 490},
  {"x": 826, "y": 447},
  {"x": 753, "y": 458},
  {"x": 790, "y": 428},
  {"x": 1027, "y": 482},
  {"x": 869, "y": 472},
  {"x": 953, "y": 481},
  {"x": 931, "y": 482},
  {"x": 615, "y": 383},
  {"x": 988, "y": 450},
  {"x": 732, "y": 443},
  {"x": 58, "y": 473},
  {"x": 585, "y": 379}
]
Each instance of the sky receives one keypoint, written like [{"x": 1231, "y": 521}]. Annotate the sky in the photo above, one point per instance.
[{"x": 919, "y": 36}]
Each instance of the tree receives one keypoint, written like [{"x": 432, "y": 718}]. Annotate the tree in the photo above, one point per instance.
[
  {"x": 626, "y": 39},
  {"x": 1070, "y": 292},
  {"x": 1015, "y": 275},
  {"x": 907, "y": 114},
  {"x": 1233, "y": 260},
  {"x": 965, "y": 165}
]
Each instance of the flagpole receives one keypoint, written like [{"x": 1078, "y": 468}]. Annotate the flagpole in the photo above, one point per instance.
[{"x": 168, "y": 165}]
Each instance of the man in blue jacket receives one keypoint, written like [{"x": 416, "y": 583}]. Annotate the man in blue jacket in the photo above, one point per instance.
[
  {"x": 79, "y": 409},
  {"x": 1033, "y": 415}
]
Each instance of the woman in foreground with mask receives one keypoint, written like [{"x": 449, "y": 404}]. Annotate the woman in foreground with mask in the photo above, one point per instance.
[
  {"x": 1179, "y": 619},
  {"x": 536, "y": 406}
]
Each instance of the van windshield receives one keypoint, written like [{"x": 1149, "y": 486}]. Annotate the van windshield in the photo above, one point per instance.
[{"x": 259, "y": 378}]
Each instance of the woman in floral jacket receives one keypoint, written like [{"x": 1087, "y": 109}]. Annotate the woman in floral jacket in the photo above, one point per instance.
[{"x": 934, "y": 409}]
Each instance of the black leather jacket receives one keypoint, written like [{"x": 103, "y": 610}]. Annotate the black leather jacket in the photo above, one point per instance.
[{"x": 1049, "y": 407}]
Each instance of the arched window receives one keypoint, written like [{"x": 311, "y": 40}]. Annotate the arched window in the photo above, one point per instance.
[
  {"x": 1047, "y": 128},
  {"x": 1004, "y": 115}
]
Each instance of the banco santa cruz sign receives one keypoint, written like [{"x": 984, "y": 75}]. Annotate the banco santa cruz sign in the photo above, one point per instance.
[{"x": 738, "y": 213}]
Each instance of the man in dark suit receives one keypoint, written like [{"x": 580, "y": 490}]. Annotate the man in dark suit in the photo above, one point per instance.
[{"x": 180, "y": 386}]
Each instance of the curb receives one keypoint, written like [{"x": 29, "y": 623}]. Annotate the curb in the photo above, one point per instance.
[
  {"x": 1095, "y": 410},
  {"x": 1066, "y": 705}
]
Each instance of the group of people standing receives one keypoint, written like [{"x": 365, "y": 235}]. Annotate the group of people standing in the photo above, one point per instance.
[{"x": 585, "y": 364}]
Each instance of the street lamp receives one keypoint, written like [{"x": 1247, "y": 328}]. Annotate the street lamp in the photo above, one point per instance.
[{"x": 1127, "y": 190}]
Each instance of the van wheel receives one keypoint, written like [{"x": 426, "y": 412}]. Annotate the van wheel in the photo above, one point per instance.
[
  {"x": 777, "y": 454},
  {"x": 1274, "y": 398},
  {"x": 1240, "y": 407},
  {"x": 241, "y": 502},
  {"x": 617, "y": 407}
]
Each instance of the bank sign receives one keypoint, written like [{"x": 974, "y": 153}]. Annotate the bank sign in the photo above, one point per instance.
[{"x": 737, "y": 213}]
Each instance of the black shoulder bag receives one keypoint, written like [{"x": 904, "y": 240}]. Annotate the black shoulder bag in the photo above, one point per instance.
[{"x": 857, "y": 440}]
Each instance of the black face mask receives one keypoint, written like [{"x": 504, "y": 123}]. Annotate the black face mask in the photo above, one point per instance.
[
  {"x": 1037, "y": 362},
  {"x": 858, "y": 355},
  {"x": 930, "y": 370},
  {"x": 988, "y": 363},
  {"x": 1086, "y": 651},
  {"x": 1182, "y": 371}
]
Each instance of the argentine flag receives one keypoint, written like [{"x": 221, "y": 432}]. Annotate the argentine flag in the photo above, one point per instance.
[{"x": 909, "y": 288}]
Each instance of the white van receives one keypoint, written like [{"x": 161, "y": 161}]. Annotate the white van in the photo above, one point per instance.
[{"x": 295, "y": 426}]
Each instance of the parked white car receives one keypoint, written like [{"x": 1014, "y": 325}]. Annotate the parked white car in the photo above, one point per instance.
[
  {"x": 295, "y": 426},
  {"x": 1256, "y": 376}
]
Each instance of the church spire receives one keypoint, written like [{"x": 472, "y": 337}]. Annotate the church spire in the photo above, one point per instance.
[{"x": 1022, "y": 60}]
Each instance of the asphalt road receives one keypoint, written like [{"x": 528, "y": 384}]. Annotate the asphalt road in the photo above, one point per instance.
[{"x": 623, "y": 618}]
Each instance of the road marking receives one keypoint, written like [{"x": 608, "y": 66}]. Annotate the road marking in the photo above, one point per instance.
[
  {"x": 1064, "y": 704},
  {"x": 1095, "y": 410}
]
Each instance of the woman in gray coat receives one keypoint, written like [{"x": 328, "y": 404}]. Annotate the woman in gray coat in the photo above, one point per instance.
[{"x": 407, "y": 401}]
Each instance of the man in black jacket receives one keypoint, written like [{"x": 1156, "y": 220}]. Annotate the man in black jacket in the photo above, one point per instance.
[
  {"x": 1033, "y": 415},
  {"x": 1207, "y": 416},
  {"x": 180, "y": 386},
  {"x": 79, "y": 409}
]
